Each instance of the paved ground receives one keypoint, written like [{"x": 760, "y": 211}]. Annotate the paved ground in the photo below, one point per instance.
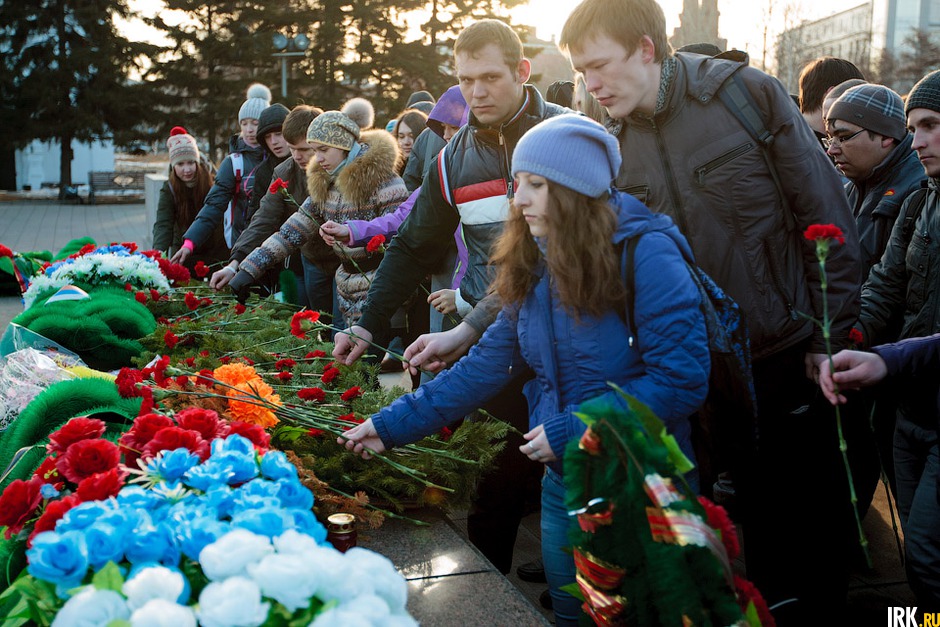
[{"x": 28, "y": 226}]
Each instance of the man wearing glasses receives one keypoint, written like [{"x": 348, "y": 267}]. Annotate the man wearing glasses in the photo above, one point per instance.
[{"x": 867, "y": 138}]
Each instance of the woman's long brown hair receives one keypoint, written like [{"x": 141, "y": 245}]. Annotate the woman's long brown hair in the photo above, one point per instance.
[
  {"x": 581, "y": 260},
  {"x": 189, "y": 200}
]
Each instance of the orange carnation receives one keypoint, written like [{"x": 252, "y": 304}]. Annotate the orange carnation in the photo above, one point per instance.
[
  {"x": 256, "y": 408},
  {"x": 235, "y": 373}
]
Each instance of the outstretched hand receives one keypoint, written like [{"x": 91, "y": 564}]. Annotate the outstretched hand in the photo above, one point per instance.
[
  {"x": 853, "y": 370},
  {"x": 363, "y": 440},
  {"x": 351, "y": 344},
  {"x": 444, "y": 301},
  {"x": 537, "y": 448},
  {"x": 181, "y": 255},
  {"x": 433, "y": 352},
  {"x": 221, "y": 277},
  {"x": 332, "y": 231}
]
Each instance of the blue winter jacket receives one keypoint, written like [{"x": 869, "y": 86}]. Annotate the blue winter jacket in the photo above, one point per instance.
[{"x": 666, "y": 368}]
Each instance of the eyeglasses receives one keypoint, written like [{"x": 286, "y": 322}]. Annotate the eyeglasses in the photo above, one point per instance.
[{"x": 835, "y": 142}]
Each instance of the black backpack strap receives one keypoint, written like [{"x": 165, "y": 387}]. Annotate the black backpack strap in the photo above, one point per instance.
[
  {"x": 738, "y": 100},
  {"x": 918, "y": 202},
  {"x": 627, "y": 253}
]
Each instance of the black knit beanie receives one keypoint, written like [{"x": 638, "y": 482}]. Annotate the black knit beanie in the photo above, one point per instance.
[
  {"x": 271, "y": 120},
  {"x": 925, "y": 94}
]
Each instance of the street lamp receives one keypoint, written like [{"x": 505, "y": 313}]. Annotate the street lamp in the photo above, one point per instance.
[{"x": 288, "y": 46}]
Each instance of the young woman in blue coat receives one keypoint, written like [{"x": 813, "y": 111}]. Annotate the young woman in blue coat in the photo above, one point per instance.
[{"x": 559, "y": 277}]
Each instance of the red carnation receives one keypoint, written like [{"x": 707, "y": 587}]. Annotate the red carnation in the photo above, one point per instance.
[
  {"x": 172, "y": 438},
  {"x": 54, "y": 511},
  {"x": 191, "y": 301},
  {"x": 87, "y": 457},
  {"x": 329, "y": 375},
  {"x": 225, "y": 359},
  {"x": 316, "y": 395},
  {"x": 824, "y": 231},
  {"x": 276, "y": 185},
  {"x": 170, "y": 339},
  {"x": 190, "y": 361},
  {"x": 204, "y": 421},
  {"x": 351, "y": 393},
  {"x": 296, "y": 322},
  {"x": 82, "y": 428},
  {"x": 315, "y": 433},
  {"x": 446, "y": 433},
  {"x": 856, "y": 337},
  {"x": 248, "y": 361},
  {"x": 127, "y": 382},
  {"x": 174, "y": 272},
  {"x": 101, "y": 486},
  {"x": 154, "y": 295},
  {"x": 350, "y": 418},
  {"x": 141, "y": 297},
  {"x": 314, "y": 354},
  {"x": 48, "y": 473},
  {"x": 128, "y": 287},
  {"x": 719, "y": 520},
  {"x": 239, "y": 309},
  {"x": 747, "y": 593},
  {"x": 146, "y": 405},
  {"x": 18, "y": 502},
  {"x": 376, "y": 244},
  {"x": 130, "y": 246},
  {"x": 144, "y": 429},
  {"x": 205, "y": 378},
  {"x": 201, "y": 269},
  {"x": 255, "y": 433},
  {"x": 5, "y": 252},
  {"x": 282, "y": 364},
  {"x": 284, "y": 376}
]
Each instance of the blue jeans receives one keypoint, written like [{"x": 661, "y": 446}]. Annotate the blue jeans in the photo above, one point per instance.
[
  {"x": 559, "y": 565},
  {"x": 321, "y": 293}
]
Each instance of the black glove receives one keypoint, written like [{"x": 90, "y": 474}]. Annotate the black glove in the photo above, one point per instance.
[{"x": 241, "y": 286}]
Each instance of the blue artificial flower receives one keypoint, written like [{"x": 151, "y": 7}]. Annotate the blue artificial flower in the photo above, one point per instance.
[
  {"x": 274, "y": 465},
  {"x": 247, "y": 502},
  {"x": 60, "y": 558},
  {"x": 153, "y": 544},
  {"x": 194, "y": 535},
  {"x": 222, "y": 499},
  {"x": 48, "y": 491},
  {"x": 172, "y": 465},
  {"x": 208, "y": 474},
  {"x": 83, "y": 515},
  {"x": 105, "y": 543},
  {"x": 123, "y": 519},
  {"x": 305, "y": 522},
  {"x": 257, "y": 487},
  {"x": 294, "y": 495},
  {"x": 233, "y": 444},
  {"x": 136, "y": 497},
  {"x": 270, "y": 522},
  {"x": 195, "y": 508}
]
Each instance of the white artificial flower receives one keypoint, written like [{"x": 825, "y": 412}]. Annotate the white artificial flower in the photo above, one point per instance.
[
  {"x": 163, "y": 613},
  {"x": 233, "y": 602},
  {"x": 344, "y": 582},
  {"x": 229, "y": 555},
  {"x": 294, "y": 542},
  {"x": 92, "y": 608},
  {"x": 291, "y": 580},
  {"x": 382, "y": 577},
  {"x": 373, "y": 608},
  {"x": 153, "y": 582},
  {"x": 340, "y": 616}
]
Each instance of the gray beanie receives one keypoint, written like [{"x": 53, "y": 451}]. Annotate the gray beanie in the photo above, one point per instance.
[
  {"x": 570, "y": 150},
  {"x": 875, "y": 108},
  {"x": 333, "y": 128},
  {"x": 259, "y": 99},
  {"x": 360, "y": 111},
  {"x": 925, "y": 94}
]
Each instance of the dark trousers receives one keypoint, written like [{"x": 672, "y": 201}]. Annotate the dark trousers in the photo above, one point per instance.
[
  {"x": 504, "y": 493},
  {"x": 794, "y": 497}
]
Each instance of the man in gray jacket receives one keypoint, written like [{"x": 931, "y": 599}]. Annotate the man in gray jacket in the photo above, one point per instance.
[{"x": 743, "y": 206}]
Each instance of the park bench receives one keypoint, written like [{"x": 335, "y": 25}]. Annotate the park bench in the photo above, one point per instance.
[{"x": 107, "y": 187}]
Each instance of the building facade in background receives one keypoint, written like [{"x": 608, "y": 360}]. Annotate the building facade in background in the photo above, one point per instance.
[{"x": 698, "y": 24}]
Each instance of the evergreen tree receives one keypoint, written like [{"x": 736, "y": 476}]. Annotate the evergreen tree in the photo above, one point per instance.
[{"x": 66, "y": 70}]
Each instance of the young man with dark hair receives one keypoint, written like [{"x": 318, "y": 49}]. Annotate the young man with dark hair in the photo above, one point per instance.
[
  {"x": 743, "y": 205},
  {"x": 469, "y": 184},
  {"x": 816, "y": 78}
]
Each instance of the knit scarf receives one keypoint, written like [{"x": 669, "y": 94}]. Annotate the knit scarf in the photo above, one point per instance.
[{"x": 353, "y": 153}]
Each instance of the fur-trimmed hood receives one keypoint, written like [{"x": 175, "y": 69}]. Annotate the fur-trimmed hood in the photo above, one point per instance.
[{"x": 359, "y": 180}]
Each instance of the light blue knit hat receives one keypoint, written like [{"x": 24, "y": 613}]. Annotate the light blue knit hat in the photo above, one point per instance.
[{"x": 570, "y": 150}]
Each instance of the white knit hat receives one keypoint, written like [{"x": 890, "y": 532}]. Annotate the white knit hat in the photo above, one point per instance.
[
  {"x": 259, "y": 99},
  {"x": 182, "y": 146}
]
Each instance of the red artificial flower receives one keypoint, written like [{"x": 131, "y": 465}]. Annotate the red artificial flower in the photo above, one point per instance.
[
  {"x": 172, "y": 438},
  {"x": 127, "y": 286},
  {"x": 154, "y": 295},
  {"x": 204, "y": 421},
  {"x": 152, "y": 254},
  {"x": 747, "y": 593},
  {"x": 824, "y": 231},
  {"x": 284, "y": 376},
  {"x": 315, "y": 354},
  {"x": 277, "y": 184},
  {"x": 856, "y": 337},
  {"x": 315, "y": 433},
  {"x": 351, "y": 393},
  {"x": 329, "y": 375},
  {"x": 316, "y": 395},
  {"x": 87, "y": 457},
  {"x": 130, "y": 246},
  {"x": 48, "y": 473},
  {"x": 285, "y": 363},
  {"x": 144, "y": 429},
  {"x": 376, "y": 244},
  {"x": 205, "y": 378},
  {"x": 225, "y": 359},
  {"x": 255, "y": 433},
  {"x": 76, "y": 429},
  {"x": 296, "y": 322},
  {"x": 5, "y": 252},
  {"x": 18, "y": 502},
  {"x": 719, "y": 520},
  {"x": 84, "y": 250},
  {"x": 170, "y": 339},
  {"x": 146, "y": 405},
  {"x": 54, "y": 511},
  {"x": 201, "y": 269},
  {"x": 239, "y": 309},
  {"x": 446, "y": 433},
  {"x": 101, "y": 486},
  {"x": 141, "y": 297}
]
